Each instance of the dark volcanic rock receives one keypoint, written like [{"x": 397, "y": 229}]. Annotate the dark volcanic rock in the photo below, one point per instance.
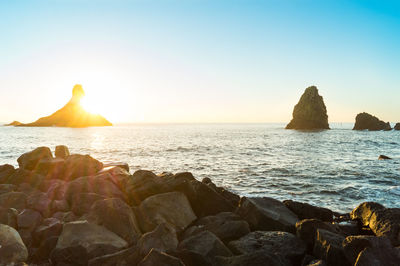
[
  {"x": 258, "y": 258},
  {"x": 307, "y": 211},
  {"x": 29, "y": 219},
  {"x": 384, "y": 157},
  {"x": 77, "y": 165},
  {"x": 46, "y": 247},
  {"x": 5, "y": 188},
  {"x": 71, "y": 115},
  {"x": 328, "y": 247},
  {"x": 6, "y": 171},
  {"x": 61, "y": 151},
  {"x": 16, "y": 200},
  {"x": 12, "y": 249},
  {"x": 378, "y": 247},
  {"x": 163, "y": 238},
  {"x": 284, "y": 244},
  {"x": 8, "y": 216},
  {"x": 82, "y": 203},
  {"x": 158, "y": 258},
  {"x": 267, "y": 214},
  {"x": 310, "y": 112},
  {"x": 30, "y": 159},
  {"x": 397, "y": 126},
  {"x": 129, "y": 256},
  {"x": 370, "y": 122}
]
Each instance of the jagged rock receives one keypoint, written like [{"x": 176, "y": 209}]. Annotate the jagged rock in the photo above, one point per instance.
[
  {"x": 12, "y": 248},
  {"x": 207, "y": 245},
  {"x": 284, "y": 244},
  {"x": 82, "y": 203},
  {"x": 378, "y": 247},
  {"x": 158, "y": 258},
  {"x": 51, "y": 227},
  {"x": 71, "y": 255},
  {"x": 96, "y": 240},
  {"x": 61, "y": 151},
  {"x": 172, "y": 208},
  {"x": 78, "y": 165},
  {"x": 267, "y": 214},
  {"x": 51, "y": 167},
  {"x": 397, "y": 126},
  {"x": 29, "y": 219},
  {"x": 8, "y": 216},
  {"x": 258, "y": 258},
  {"x": 381, "y": 220},
  {"x": 309, "y": 112},
  {"x": 307, "y": 230},
  {"x": 71, "y": 115},
  {"x": 307, "y": 211},
  {"x": 16, "y": 200},
  {"x": 191, "y": 258},
  {"x": 129, "y": 256},
  {"x": 142, "y": 185},
  {"x": 45, "y": 248},
  {"x": 5, "y": 188},
  {"x": 65, "y": 217},
  {"x": 40, "y": 202},
  {"x": 55, "y": 189},
  {"x": 30, "y": 159},
  {"x": 6, "y": 171},
  {"x": 366, "y": 121},
  {"x": 21, "y": 176},
  {"x": 26, "y": 237},
  {"x": 384, "y": 157},
  {"x": 163, "y": 238},
  {"x": 328, "y": 247},
  {"x": 115, "y": 215},
  {"x": 227, "y": 226}
]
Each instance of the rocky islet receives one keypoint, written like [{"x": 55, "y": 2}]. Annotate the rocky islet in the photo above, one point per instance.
[{"x": 73, "y": 210}]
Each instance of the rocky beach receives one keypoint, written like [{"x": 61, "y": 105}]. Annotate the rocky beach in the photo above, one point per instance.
[{"x": 74, "y": 210}]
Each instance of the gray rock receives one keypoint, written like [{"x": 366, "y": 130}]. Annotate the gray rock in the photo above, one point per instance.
[
  {"x": 30, "y": 159},
  {"x": 65, "y": 217},
  {"x": 117, "y": 216},
  {"x": 328, "y": 247},
  {"x": 258, "y": 258},
  {"x": 284, "y": 244},
  {"x": 8, "y": 216},
  {"x": 267, "y": 214},
  {"x": 307, "y": 211},
  {"x": 16, "y": 200},
  {"x": 82, "y": 203},
  {"x": 51, "y": 227},
  {"x": 42, "y": 254},
  {"x": 163, "y": 238},
  {"x": 12, "y": 248},
  {"x": 206, "y": 244},
  {"x": 61, "y": 151},
  {"x": 172, "y": 208},
  {"x": 71, "y": 255},
  {"x": 129, "y": 256},
  {"x": 382, "y": 221},
  {"x": 29, "y": 219},
  {"x": 158, "y": 258}
]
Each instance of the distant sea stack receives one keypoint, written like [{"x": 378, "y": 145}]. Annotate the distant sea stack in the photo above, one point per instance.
[
  {"x": 71, "y": 115},
  {"x": 14, "y": 123},
  {"x": 365, "y": 121},
  {"x": 397, "y": 126},
  {"x": 309, "y": 112}
]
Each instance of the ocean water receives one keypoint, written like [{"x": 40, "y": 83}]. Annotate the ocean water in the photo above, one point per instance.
[{"x": 336, "y": 168}]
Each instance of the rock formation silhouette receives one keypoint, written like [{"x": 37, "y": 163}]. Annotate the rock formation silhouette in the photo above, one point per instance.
[
  {"x": 71, "y": 115},
  {"x": 397, "y": 126},
  {"x": 366, "y": 121},
  {"x": 14, "y": 123},
  {"x": 309, "y": 112}
]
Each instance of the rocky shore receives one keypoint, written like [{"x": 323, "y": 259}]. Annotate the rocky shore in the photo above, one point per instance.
[{"x": 75, "y": 210}]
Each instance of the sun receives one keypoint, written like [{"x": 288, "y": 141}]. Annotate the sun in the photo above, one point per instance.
[{"x": 91, "y": 105}]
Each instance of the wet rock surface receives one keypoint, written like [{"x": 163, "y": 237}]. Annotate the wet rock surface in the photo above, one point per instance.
[
  {"x": 77, "y": 211},
  {"x": 365, "y": 121}
]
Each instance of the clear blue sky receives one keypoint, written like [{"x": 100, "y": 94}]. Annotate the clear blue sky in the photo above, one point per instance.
[{"x": 200, "y": 61}]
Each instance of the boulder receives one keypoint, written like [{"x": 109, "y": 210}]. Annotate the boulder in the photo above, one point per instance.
[
  {"x": 307, "y": 230},
  {"x": 371, "y": 257},
  {"x": 12, "y": 249},
  {"x": 82, "y": 203},
  {"x": 397, "y": 126},
  {"x": 26, "y": 237},
  {"x": 172, "y": 208},
  {"x": 328, "y": 247},
  {"x": 51, "y": 167},
  {"x": 158, "y": 258},
  {"x": 6, "y": 171},
  {"x": 8, "y": 216},
  {"x": 191, "y": 258},
  {"x": 384, "y": 157},
  {"x": 124, "y": 166},
  {"x": 55, "y": 189},
  {"x": 29, "y": 219},
  {"x": 267, "y": 214},
  {"x": 71, "y": 255},
  {"x": 78, "y": 165},
  {"x": 51, "y": 227},
  {"x": 227, "y": 226},
  {"x": 5, "y": 188},
  {"x": 382, "y": 221},
  {"x": 258, "y": 258},
  {"x": 379, "y": 248},
  {"x": 129, "y": 256},
  {"x": 207, "y": 245},
  {"x": 65, "y": 217},
  {"x": 284, "y": 244},
  {"x": 30, "y": 159},
  {"x": 117, "y": 216},
  {"x": 40, "y": 202},
  {"x": 366, "y": 121},
  {"x": 61, "y": 151},
  {"x": 20, "y": 176},
  {"x": 163, "y": 238},
  {"x": 307, "y": 211},
  {"x": 16, "y": 200},
  {"x": 92, "y": 184},
  {"x": 96, "y": 240},
  {"x": 310, "y": 112},
  {"x": 44, "y": 250}
]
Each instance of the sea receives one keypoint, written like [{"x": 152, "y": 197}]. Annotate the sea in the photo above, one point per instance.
[{"x": 337, "y": 168}]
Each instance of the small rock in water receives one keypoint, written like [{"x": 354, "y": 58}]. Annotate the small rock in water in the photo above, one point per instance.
[{"x": 384, "y": 157}]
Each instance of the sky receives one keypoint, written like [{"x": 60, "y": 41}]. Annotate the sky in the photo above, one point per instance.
[{"x": 198, "y": 60}]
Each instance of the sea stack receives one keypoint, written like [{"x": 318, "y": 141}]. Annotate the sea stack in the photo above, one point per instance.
[
  {"x": 310, "y": 112},
  {"x": 71, "y": 115},
  {"x": 397, "y": 126},
  {"x": 365, "y": 121}
]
